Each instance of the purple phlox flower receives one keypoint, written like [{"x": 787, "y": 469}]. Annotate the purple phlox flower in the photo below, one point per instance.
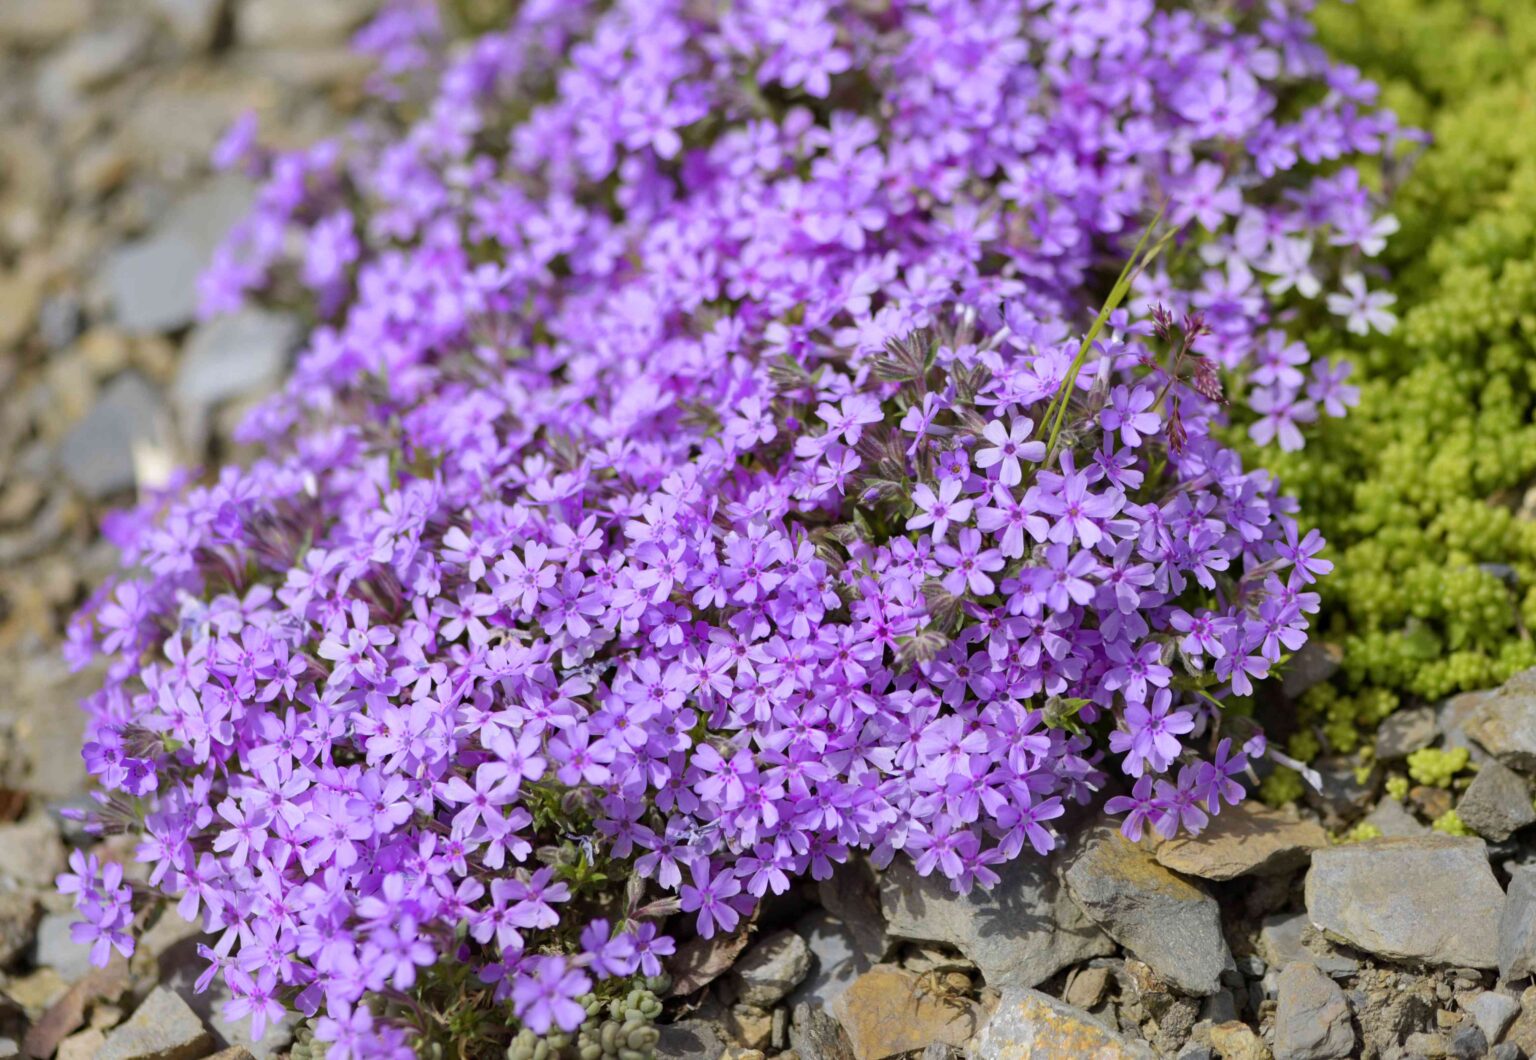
[
  {"x": 1127, "y": 413},
  {"x": 940, "y": 509},
  {"x": 1010, "y": 445},
  {"x": 544, "y": 993},
  {"x": 1141, "y": 807},
  {"x": 1362, "y": 309},
  {"x": 970, "y": 564},
  {"x": 710, "y": 896},
  {"x": 1151, "y": 736}
]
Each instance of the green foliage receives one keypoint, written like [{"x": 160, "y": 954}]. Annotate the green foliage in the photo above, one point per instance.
[
  {"x": 620, "y": 1029},
  {"x": 1435, "y": 767},
  {"x": 1419, "y": 490}
]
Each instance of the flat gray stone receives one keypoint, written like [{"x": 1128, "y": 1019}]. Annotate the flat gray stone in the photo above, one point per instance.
[
  {"x": 1430, "y": 899},
  {"x": 1022, "y": 931},
  {"x": 152, "y": 282},
  {"x": 56, "y": 949},
  {"x": 162, "y": 1028},
  {"x": 1027, "y": 1023},
  {"x": 97, "y": 455},
  {"x": 1517, "y": 926},
  {"x": 1286, "y": 938},
  {"x": 690, "y": 1040},
  {"x": 1344, "y": 797},
  {"x": 234, "y": 356},
  {"x": 32, "y": 851},
  {"x": 1497, "y": 803},
  {"x": 269, "y": 23},
  {"x": 1504, "y": 723},
  {"x": 1394, "y": 820},
  {"x": 1315, "y": 663},
  {"x": 1405, "y": 731},
  {"x": 1312, "y": 1020},
  {"x": 839, "y": 955},
  {"x": 1452, "y": 716},
  {"x": 1493, "y": 1012},
  {"x": 1165, "y": 920},
  {"x": 770, "y": 968},
  {"x": 1242, "y": 840},
  {"x": 815, "y": 1035}
]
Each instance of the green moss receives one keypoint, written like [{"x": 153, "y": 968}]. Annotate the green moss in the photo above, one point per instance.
[
  {"x": 1451, "y": 824},
  {"x": 1280, "y": 787},
  {"x": 1434, "y": 767},
  {"x": 1360, "y": 833},
  {"x": 1397, "y": 786},
  {"x": 1418, "y": 490}
]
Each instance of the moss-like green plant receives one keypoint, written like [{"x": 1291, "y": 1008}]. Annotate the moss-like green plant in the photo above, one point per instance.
[
  {"x": 1421, "y": 490},
  {"x": 1450, "y": 823},
  {"x": 1434, "y": 767}
]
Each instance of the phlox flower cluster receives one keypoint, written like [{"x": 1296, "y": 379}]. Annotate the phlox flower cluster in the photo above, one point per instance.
[{"x": 692, "y": 480}]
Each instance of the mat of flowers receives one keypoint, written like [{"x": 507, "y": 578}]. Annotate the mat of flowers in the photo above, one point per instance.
[{"x": 697, "y": 474}]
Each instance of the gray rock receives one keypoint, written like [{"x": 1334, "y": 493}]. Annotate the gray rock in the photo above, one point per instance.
[
  {"x": 1452, "y": 716},
  {"x": 1497, "y": 803},
  {"x": 1312, "y": 1020},
  {"x": 194, "y": 23},
  {"x": 1022, "y": 931},
  {"x": 1289, "y": 937},
  {"x": 1431, "y": 899},
  {"x": 1517, "y": 926},
  {"x": 57, "y": 950},
  {"x": 1467, "y": 1043},
  {"x": 1405, "y": 731},
  {"x": 90, "y": 61},
  {"x": 1315, "y": 663},
  {"x": 162, "y": 1028},
  {"x": 37, "y": 25},
  {"x": 97, "y": 455},
  {"x": 771, "y": 968},
  {"x": 1344, "y": 797},
  {"x": 815, "y": 1035},
  {"x": 152, "y": 282},
  {"x": 1028, "y": 1023},
  {"x": 1504, "y": 723},
  {"x": 839, "y": 955},
  {"x": 234, "y": 356},
  {"x": 18, "y": 925},
  {"x": 1506, "y": 1051},
  {"x": 1493, "y": 1012},
  {"x": 1168, "y": 922},
  {"x": 1394, "y": 821},
  {"x": 1220, "y": 1007},
  {"x": 267, "y": 23},
  {"x": 32, "y": 851},
  {"x": 690, "y": 1040}
]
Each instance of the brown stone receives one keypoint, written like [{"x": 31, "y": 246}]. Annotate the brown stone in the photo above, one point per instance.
[
  {"x": 1030, "y": 1024},
  {"x": 1235, "y": 1040},
  {"x": 888, "y": 1011},
  {"x": 1246, "y": 839}
]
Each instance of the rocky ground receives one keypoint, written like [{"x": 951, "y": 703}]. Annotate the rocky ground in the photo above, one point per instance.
[
  {"x": 108, "y": 211},
  {"x": 1266, "y": 936}
]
